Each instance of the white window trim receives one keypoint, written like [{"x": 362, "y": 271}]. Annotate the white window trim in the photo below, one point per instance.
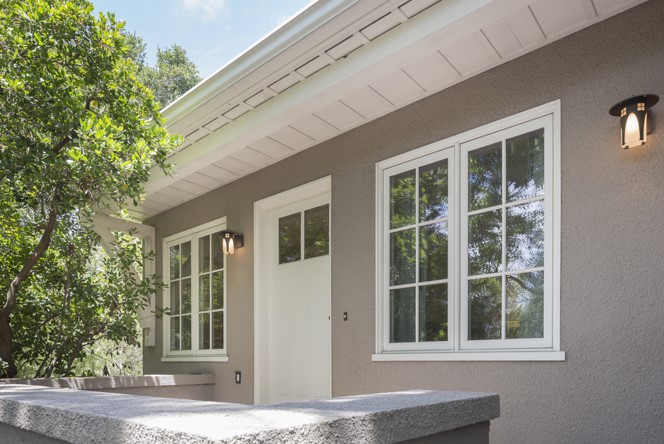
[
  {"x": 194, "y": 355},
  {"x": 414, "y": 352}
]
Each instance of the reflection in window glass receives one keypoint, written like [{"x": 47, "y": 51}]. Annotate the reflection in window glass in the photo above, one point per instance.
[
  {"x": 175, "y": 333},
  {"x": 433, "y": 252},
  {"x": 316, "y": 231},
  {"x": 402, "y": 315},
  {"x": 525, "y": 236},
  {"x": 186, "y": 295},
  {"x": 203, "y": 254},
  {"x": 218, "y": 290},
  {"x": 485, "y": 308},
  {"x": 186, "y": 332},
  {"x": 485, "y": 179},
  {"x": 217, "y": 252},
  {"x": 433, "y": 312},
  {"x": 289, "y": 238},
  {"x": 433, "y": 191},
  {"x": 402, "y": 199},
  {"x": 525, "y": 166},
  {"x": 175, "y": 261},
  {"x": 175, "y": 297},
  {"x": 204, "y": 331},
  {"x": 218, "y": 329},
  {"x": 185, "y": 249},
  {"x": 204, "y": 292},
  {"x": 525, "y": 305},
  {"x": 402, "y": 257},
  {"x": 485, "y": 246}
]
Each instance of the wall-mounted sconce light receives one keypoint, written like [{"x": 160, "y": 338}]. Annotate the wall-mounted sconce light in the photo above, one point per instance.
[
  {"x": 634, "y": 115},
  {"x": 231, "y": 240}
]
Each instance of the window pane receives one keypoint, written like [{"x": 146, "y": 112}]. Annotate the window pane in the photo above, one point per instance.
[
  {"x": 186, "y": 259},
  {"x": 218, "y": 329},
  {"x": 485, "y": 181},
  {"x": 525, "y": 236},
  {"x": 316, "y": 231},
  {"x": 186, "y": 295},
  {"x": 217, "y": 290},
  {"x": 525, "y": 305},
  {"x": 485, "y": 242},
  {"x": 525, "y": 166},
  {"x": 175, "y": 261},
  {"x": 203, "y": 254},
  {"x": 402, "y": 315},
  {"x": 433, "y": 313},
  {"x": 289, "y": 238},
  {"x": 175, "y": 297},
  {"x": 484, "y": 299},
  {"x": 433, "y": 252},
  {"x": 204, "y": 292},
  {"x": 175, "y": 333},
  {"x": 433, "y": 191},
  {"x": 186, "y": 332},
  {"x": 402, "y": 257},
  {"x": 402, "y": 199},
  {"x": 204, "y": 331},
  {"x": 217, "y": 252}
]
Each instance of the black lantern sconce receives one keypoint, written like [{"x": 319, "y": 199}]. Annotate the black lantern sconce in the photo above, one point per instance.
[
  {"x": 634, "y": 115},
  {"x": 230, "y": 241}
]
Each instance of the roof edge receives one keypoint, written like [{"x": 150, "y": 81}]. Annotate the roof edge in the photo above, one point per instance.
[{"x": 310, "y": 18}]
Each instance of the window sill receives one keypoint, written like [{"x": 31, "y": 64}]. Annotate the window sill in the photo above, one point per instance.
[
  {"x": 194, "y": 359},
  {"x": 529, "y": 355}
]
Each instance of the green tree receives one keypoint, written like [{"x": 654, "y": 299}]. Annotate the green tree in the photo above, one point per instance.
[
  {"x": 77, "y": 295},
  {"x": 173, "y": 75},
  {"x": 79, "y": 132}
]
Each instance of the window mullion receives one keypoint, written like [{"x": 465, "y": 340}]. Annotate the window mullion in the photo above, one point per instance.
[
  {"x": 417, "y": 255},
  {"x": 194, "y": 293},
  {"x": 503, "y": 326},
  {"x": 456, "y": 259}
]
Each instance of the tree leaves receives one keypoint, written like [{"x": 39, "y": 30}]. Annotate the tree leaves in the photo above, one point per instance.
[{"x": 80, "y": 134}]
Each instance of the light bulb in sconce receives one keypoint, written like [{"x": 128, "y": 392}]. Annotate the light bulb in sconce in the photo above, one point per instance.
[
  {"x": 634, "y": 119},
  {"x": 231, "y": 240}
]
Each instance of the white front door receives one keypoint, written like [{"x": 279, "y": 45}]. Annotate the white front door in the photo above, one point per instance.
[{"x": 293, "y": 296}]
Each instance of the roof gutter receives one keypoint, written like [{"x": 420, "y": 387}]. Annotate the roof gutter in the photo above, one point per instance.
[{"x": 311, "y": 18}]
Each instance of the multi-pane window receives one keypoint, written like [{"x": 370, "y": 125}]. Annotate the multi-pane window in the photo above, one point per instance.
[
  {"x": 196, "y": 301},
  {"x": 468, "y": 251},
  {"x": 314, "y": 241},
  {"x": 418, "y": 226}
]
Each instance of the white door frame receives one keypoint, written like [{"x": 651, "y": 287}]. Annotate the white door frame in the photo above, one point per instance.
[{"x": 262, "y": 209}]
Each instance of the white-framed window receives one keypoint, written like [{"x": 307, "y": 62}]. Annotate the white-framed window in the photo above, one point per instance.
[
  {"x": 194, "y": 270},
  {"x": 468, "y": 245}
]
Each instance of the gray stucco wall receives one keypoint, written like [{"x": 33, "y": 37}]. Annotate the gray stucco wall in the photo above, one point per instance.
[{"x": 611, "y": 386}]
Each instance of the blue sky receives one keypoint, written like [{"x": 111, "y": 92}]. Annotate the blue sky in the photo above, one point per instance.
[{"x": 211, "y": 31}]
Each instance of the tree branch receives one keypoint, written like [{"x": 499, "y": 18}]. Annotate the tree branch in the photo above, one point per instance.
[{"x": 38, "y": 252}]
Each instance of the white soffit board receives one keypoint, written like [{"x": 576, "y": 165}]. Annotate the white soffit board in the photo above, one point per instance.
[{"x": 371, "y": 58}]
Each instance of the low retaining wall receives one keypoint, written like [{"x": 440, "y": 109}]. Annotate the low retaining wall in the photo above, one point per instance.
[
  {"x": 73, "y": 416},
  {"x": 196, "y": 387}
]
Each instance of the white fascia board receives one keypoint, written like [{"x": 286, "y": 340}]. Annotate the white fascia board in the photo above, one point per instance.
[
  {"x": 447, "y": 20},
  {"x": 273, "y": 44}
]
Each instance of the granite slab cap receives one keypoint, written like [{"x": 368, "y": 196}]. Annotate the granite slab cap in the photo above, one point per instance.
[{"x": 91, "y": 417}]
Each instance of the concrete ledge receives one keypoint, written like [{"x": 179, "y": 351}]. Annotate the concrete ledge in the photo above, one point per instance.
[
  {"x": 88, "y": 417},
  {"x": 197, "y": 387}
]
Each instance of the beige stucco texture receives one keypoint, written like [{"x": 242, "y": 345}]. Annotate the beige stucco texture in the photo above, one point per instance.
[{"x": 610, "y": 388}]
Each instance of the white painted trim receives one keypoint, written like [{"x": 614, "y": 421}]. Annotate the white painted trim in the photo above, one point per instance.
[
  {"x": 472, "y": 356},
  {"x": 261, "y": 263},
  {"x": 195, "y": 359},
  {"x": 310, "y": 18},
  {"x": 448, "y": 19}
]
